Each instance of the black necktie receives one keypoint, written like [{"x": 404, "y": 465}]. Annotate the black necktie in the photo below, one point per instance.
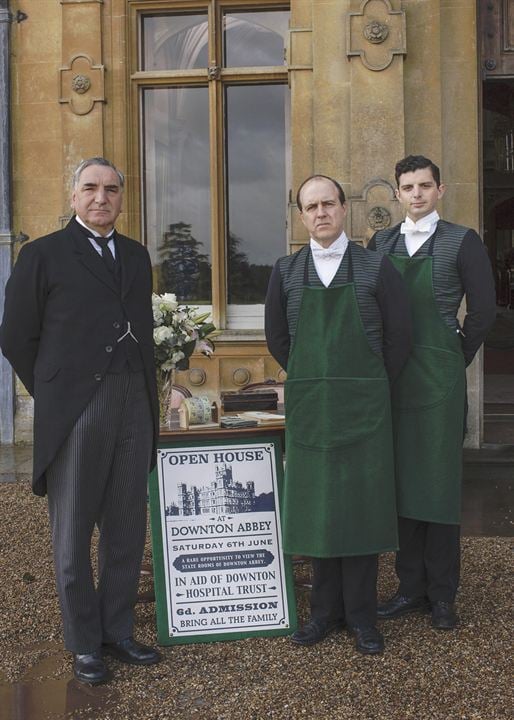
[{"x": 106, "y": 253}]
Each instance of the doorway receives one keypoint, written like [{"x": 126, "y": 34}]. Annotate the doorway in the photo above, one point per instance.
[{"x": 498, "y": 218}]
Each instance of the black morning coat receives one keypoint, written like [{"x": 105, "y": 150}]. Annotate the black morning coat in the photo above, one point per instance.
[{"x": 62, "y": 317}]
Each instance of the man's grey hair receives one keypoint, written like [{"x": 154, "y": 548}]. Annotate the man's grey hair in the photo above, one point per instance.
[{"x": 96, "y": 161}]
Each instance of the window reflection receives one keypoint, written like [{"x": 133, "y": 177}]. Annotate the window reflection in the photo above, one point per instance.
[
  {"x": 256, "y": 187},
  {"x": 176, "y": 190},
  {"x": 177, "y": 156},
  {"x": 175, "y": 42},
  {"x": 255, "y": 38}
]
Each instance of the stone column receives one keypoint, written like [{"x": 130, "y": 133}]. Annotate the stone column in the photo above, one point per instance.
[
  {"x": 6, "y": 234},
  {"x": 376, "y": 51},
  {"x": 81, "y": 85},
  {"x": 460, "y": 160}
]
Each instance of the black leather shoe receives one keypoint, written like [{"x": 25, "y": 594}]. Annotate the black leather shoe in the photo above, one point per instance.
[
  {"x": 368, "y": 640},
  {"x": 132, "y": 652},
  {"x": 402, "y": 605},
  {"x": 315, "y": 631},
  {"x": 444, "y": 616},
  {"x": 90, "y": 668}
]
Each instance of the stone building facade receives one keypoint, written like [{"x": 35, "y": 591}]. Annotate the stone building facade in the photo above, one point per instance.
[
  {"x": 222, "y": 496},
  {"x": 350, "y": 87}
]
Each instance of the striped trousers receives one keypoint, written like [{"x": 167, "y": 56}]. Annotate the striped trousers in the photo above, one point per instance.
[{"x": 99, "y": 477}]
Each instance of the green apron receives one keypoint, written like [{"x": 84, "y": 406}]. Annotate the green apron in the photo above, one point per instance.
[
  {"x": 339, "y": 494},
  {"x": 428, "y": 405}
]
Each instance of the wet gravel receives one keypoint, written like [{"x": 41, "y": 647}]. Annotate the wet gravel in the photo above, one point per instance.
[{"x": 423, "y": 675}]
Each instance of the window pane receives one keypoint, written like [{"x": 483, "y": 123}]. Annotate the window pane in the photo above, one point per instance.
[
  {"x": 176, "y": 190},
  {"x": 256, "y": 191},
  {"x": 255, "y": 38},
  {"x": 175, "y": 42}
]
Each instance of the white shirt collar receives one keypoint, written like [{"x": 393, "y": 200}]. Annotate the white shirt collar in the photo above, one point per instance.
[
  {"x": 425, "y": 224},
  {"x": 328, "y": 260},
  {"x": 338, "y": 245},
  {"x": 94, "y": 233}
]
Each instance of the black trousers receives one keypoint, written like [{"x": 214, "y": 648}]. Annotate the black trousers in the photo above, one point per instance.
[
  {"x": 99, "y": 477},
  {"x": 345, "y": 588},
  {"x": 428, "y": 562}
]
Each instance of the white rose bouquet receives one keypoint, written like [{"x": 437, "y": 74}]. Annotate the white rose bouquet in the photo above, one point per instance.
[{"x": 179, "y": 330}]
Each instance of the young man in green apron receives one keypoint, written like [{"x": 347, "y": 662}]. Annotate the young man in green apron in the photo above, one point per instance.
[
  {"x": 337, "y": 320},
  {"x": 440, "y": 262}
]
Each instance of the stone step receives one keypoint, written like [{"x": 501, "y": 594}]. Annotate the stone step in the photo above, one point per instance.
[
  {"x": 506, "y": 408},
  {"x": 499, "y": 433},
  {"x": 490, "y": 454}
]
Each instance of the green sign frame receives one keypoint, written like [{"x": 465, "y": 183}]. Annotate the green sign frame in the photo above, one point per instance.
[{"x": 211, "y": 606}]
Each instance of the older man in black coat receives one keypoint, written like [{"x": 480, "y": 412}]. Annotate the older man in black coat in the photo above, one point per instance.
[{"x": 78, "y": 330}]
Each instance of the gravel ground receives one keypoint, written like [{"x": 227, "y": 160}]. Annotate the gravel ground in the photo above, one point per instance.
[{"x": 423, "y": 675}]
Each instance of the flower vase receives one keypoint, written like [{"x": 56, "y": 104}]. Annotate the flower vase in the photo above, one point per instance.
[{"x": 165, "y": 388}]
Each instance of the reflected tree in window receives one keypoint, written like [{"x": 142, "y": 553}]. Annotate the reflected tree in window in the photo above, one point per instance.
[
  {"x": 248, "y": 281},
  {"x": 184, "y": 269},
  {"x": 216, "y": 152}
]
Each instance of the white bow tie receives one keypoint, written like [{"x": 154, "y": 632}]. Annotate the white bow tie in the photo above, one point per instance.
[
  {"x": 327, "y": 253},
  {"x": 409, "y": 226}
]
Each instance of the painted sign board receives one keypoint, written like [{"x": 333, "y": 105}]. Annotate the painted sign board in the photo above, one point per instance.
[{"x": 220, "y": 573}]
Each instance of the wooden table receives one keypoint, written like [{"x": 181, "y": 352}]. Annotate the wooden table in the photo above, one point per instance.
[{"x": 197, "y": 432}]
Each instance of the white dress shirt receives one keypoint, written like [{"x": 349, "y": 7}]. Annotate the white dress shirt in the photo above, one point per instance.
[
  {"x": 327, "y": 260},
  {"x": 94, "y": 234},
  {"x": 417, "y": 233}
]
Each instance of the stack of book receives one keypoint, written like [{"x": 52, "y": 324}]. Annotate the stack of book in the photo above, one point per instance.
[
  {"x": 236, "y": 421},
  {"x": 252, "y": 419},
  {"x": 236, "y": 402}
]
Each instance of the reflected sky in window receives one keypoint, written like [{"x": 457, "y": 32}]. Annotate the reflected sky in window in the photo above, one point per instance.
[
  {"x": 180, "y": 41},
  {"x": 255, "y": 38},
  {"x": 177, "y": 188},
  {"x": 175, "y": 42},
  {"x": 256, "y": 135}
]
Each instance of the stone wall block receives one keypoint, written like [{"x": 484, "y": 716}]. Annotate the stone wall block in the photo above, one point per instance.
[
  {"x": 36, "y": 83},
  {"x": 377, "y": 130},
  {"x": 301, "y": 13},
  {"x": 376, "y": 209},
  {"x": 332, "y": 92},
  {"x": 81, "y": 84},
  {"x": 81, "y": 24},
  {"x": 300, "y": 48},
  {"x": 23, "y": 416},
  {"x": 34, "y": 201},
  {"x": 29, "y": 159},
  {"x": 422, "y": 80},
  {"x": 44, "y": 124},
  {"x": 376, "y": 34},
  {"x": 38, "y": 38}
]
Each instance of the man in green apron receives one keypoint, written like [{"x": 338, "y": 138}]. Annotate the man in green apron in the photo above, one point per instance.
[
  {"x": 440, "y": 262},
  {"x": 337, "y": 320}
]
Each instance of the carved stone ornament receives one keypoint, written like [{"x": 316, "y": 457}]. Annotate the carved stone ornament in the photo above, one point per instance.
[
  {"x": 375, "y": 32},
  {"x": 214, "y": 72},
  {"x": 376, "y": 208},
  {"x": 197, "y": 376},
  {"x": 241, "y": 376},
  {"x": 379, "y": 218},
  {"x": 81, "y": 84}
]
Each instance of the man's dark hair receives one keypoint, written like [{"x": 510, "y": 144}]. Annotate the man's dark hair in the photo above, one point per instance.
[
  {"x": 411, "y": 163},
  {"x": 338, "y": 187}
]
